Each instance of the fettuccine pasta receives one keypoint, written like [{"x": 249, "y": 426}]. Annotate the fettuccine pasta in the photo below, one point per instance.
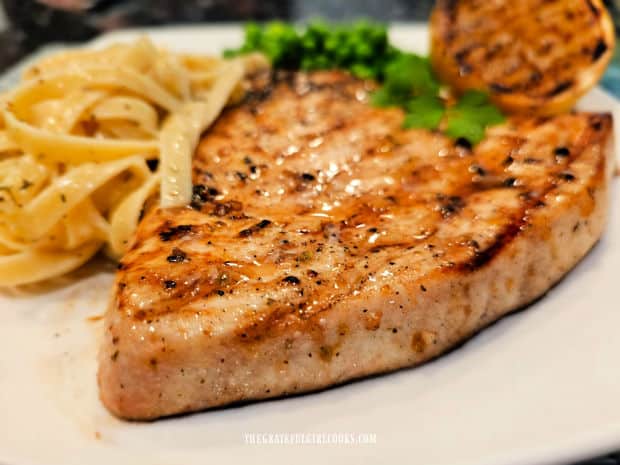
[{"x": 75, "y": 139}]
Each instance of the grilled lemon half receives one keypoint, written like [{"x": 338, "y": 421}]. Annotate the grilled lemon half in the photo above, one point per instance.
[{"x": 531, "y": 56}]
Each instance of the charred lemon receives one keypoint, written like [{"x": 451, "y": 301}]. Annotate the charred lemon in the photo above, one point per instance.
[{"x": 531, "y": 56}]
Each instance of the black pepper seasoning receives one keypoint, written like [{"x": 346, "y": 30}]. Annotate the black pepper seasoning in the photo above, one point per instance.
[{"x": 177, "y": 256}]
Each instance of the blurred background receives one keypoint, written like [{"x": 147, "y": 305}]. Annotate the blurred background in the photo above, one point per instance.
[{"x": 26, "y": 25}]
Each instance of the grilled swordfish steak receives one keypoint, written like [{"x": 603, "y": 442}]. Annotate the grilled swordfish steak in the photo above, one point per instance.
[{"x": 325, "y": 243}]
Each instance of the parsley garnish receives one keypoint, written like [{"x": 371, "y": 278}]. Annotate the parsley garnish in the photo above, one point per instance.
[
  {"x": 409, "y": 83},
  {"x": 424, "y": 111},
  {"x": 470, "y": 116},
  {"x": 361, "y": 47}
]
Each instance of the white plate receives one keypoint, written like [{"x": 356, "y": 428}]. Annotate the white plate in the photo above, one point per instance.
[{"x": 541, "y": 386}]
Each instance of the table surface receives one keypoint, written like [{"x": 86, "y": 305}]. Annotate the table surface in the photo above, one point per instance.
[{"x": 26, "y": 25}]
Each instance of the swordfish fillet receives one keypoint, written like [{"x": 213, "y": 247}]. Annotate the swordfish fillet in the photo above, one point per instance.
[{"x": 325, "y": 243}]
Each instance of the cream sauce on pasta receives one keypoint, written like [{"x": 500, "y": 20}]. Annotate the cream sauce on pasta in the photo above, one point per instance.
[{"x": 75, "y": 137}]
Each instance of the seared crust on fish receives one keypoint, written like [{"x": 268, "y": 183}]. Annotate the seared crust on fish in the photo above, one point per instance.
[{"x": 325, "y": 243}]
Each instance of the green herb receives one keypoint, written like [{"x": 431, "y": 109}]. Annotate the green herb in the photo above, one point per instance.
[
  {"x": 425, "y": 111},
  {"x": 383, "y": 98},
  {"x": 409, "y": 83},
  {"x": 469, "y": 117},
  {"x": 363, "y": 49},
  {"x": 410, "y": 74}
]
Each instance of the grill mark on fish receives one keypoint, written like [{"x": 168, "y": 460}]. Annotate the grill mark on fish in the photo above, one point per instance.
[{"x": 254, "y": 229}]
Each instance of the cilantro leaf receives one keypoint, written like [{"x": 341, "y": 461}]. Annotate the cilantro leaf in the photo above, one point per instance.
[
  {"x": 473, "y": 98},
  {"x": 490, "y": 115},
  {"x": 410, "y": 74},
  {"x": 424, "y": 111},
  {"x": 383, "y": 98},
  {"x": 461, "y": 126},
  {"x": 470, "y": 116}
]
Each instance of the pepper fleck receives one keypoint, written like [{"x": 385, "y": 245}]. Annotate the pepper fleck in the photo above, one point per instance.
[
  {"x": 202, "y": 194},
  {"x": 566, "y": 176},
  {"x": 292, "y": 280},
  {"x": 510, "y": 182},
  {"x": 463, "y": 143},
  {"x": 177, "y": 256},
  {"x": 152, "y": 163},
  {"x": 477, "y": 169}
]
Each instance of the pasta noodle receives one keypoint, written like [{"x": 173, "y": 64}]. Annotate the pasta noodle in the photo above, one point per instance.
[{"x": 75, "y": 138}]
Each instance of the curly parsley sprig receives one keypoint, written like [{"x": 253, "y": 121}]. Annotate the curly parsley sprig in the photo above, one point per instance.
[{"x": 363, "y": 49}]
